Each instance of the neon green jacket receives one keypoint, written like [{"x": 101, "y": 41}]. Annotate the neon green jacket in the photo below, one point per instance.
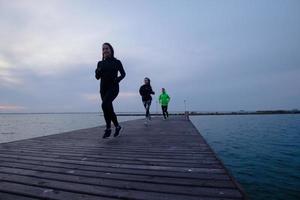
[{"x": 164, "y": 99}]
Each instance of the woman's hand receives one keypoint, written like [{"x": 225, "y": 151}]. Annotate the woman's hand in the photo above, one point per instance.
[{"x": 97, "y": 74}]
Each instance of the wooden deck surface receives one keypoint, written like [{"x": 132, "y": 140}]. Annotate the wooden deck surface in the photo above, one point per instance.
[{"x": 168, "y": 160}]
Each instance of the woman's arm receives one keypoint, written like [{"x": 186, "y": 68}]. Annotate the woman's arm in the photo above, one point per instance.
[
  {"x": 152, "y": 92},
  {"x": 98, "y": 71},
  {"x": 121, "y": 70},
  {"x": 142, "y": 92}
]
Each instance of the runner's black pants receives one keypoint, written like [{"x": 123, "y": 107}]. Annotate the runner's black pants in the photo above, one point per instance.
[
  {"x": 165, "y": 111},
  {"x": 147, "y": 105},
  {"x": 108, "y": 97}
]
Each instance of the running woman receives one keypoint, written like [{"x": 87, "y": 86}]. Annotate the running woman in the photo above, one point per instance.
[
  {"x": 164, "y": 99},
  {"x": 107, "y": 70},
  {"x": 146, "y": 92}
]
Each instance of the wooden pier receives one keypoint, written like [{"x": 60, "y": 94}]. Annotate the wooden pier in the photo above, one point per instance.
[{"x": 168, "y": 160}]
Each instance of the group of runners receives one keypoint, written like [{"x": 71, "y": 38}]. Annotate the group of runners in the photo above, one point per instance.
[
  {"x": 107, "y": 70},
  {"x": 146, "y": 92}
]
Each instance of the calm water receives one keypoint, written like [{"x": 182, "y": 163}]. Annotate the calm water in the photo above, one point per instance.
[
  {"x": 261, "y": 151},
  {"x": 22, "y": 126}
]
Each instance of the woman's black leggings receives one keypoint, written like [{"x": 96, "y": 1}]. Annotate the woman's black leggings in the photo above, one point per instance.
[
  {"x": 108, "y": 97},
  {"x": 147, "y": 105}
]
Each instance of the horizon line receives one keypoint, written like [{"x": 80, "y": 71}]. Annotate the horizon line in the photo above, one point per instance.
[{"x": 172, "y": 112}]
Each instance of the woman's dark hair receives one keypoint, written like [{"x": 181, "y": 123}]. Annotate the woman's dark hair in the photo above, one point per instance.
[
  {"x": 111, "y": 49},
  {"x": 148, "y": 80}
]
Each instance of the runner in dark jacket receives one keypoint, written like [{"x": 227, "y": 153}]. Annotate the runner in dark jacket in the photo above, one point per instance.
[
  {"x": 107, "y": 70},
  {"x": 146, "y": 92}
]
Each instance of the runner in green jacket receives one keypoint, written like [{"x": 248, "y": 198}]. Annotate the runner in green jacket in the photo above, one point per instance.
[{"x": 164, "y": 100}]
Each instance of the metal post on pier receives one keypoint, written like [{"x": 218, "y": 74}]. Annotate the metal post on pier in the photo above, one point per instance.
[{"x": 186, "y": 113}]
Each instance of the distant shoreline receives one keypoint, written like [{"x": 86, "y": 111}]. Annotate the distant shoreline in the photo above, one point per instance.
[
  {"x": 247, "y": 113},
  {"x": 191, "y": 113}
]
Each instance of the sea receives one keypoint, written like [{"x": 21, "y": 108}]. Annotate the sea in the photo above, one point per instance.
[{"x": 261, "y": 151}]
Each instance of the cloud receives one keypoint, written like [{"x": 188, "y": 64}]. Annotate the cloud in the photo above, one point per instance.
[
  {"x": 127, "y": 95},
  {"x": 49, "y": 51},
  {"x": 91, "y": 97},
  {"x": 7, "y": 78},
  {"x": 50, "y": 38},
  {"x": 96, "y": 97},
  {"x": 9, "y": 107}
]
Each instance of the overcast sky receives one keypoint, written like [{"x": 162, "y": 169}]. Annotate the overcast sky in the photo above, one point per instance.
[{"x": 216, "y": 55}]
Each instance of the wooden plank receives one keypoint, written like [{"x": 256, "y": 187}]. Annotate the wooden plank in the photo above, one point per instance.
[
  {"x": 115, "y": 192},
  {"x": 205, "y": 181},
  {"x": 121, "y": 165},
  {"x": 60, "y": 179},
  {"x": 199, "y": 158},
  {"x": 8, "y": 196},
  {"x": 73, "y": 156},
  {"x": 167, "y": 160},
  {"x": 179, "y": 152},
  {"x": 176, "y": 163},
  {"x": 72, "y": 167},
  {"x": 34, "y": 192}
]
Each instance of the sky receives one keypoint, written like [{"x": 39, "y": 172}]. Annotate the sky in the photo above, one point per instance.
[{"x": 215, "y": 55}]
